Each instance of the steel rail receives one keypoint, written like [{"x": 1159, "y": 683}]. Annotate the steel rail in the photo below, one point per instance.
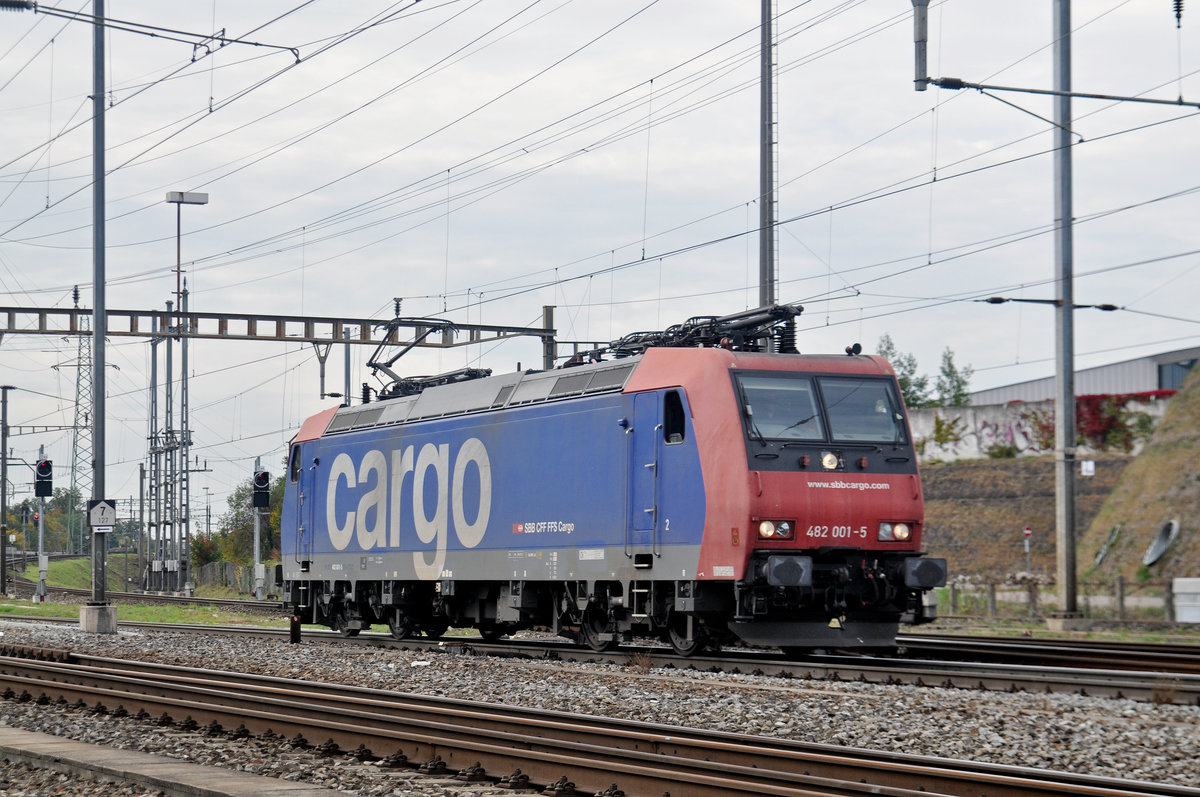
[
  {"x": 443, "y": 745},
  {"x": 1046, "y": 652},
  {"x": 256, "y": 606},
  {"x": 591, "y": 751},
  {"x": 1144, "y": 686},
  {"x": 1113, "y": 655}
]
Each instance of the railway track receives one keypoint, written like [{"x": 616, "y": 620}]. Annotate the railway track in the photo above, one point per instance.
[
  {"x": 25, "y": 589},
  {"x": 1041, "y": 651},
  {"x": 1159, "y": 685},
  {"x": 517, "y": 746},
  {"x": 1044, "y": 652},
  {"x": 1158, "y": 657}
]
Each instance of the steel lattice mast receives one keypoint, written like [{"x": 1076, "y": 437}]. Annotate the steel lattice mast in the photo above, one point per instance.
[{"x": 81, "y": 439}]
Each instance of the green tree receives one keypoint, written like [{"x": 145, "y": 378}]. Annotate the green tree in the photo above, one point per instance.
[
  {"x": 953, "y": 382},
  {"x": 22, "y": 520},
  {"x": 20, "y": 523},
  {"x": 204, "y": 550},
  {"x": 66, "y": 512},
  {"x": 125, "y": 534},
  {"x": 234, "y": 541},
  {"x": 913, "y": 386}
]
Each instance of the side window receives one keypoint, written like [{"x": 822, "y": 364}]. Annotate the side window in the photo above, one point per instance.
[
  {"x": 673, "y": 418},
  {"x": 294, "y": 465}
]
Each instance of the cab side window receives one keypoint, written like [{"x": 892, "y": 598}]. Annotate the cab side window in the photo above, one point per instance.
[
  {"x": 673, "y": 418},
  {"x": 294, "y": 465}
]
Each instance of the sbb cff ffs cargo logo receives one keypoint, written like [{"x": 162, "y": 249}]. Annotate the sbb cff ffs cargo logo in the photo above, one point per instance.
[{"x": 371, "y": 525}]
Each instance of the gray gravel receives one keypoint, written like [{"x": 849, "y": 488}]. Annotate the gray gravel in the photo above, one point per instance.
[{"x": 1114, "y": 738}]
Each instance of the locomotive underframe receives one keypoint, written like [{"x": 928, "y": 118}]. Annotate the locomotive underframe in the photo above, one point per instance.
[{"x": 795, "y": 601}]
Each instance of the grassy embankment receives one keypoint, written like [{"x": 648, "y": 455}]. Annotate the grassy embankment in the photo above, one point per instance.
[{"x": 77, "y": 574}]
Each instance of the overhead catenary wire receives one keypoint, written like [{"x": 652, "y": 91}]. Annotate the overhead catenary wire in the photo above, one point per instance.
[
  {"x": 193, "y": 118},
  {"x": 489, "y": 297},
  {"x": 328, "y": 184}
]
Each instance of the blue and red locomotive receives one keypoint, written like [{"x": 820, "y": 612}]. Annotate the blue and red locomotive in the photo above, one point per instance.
[{"x": 703, "y": 493}]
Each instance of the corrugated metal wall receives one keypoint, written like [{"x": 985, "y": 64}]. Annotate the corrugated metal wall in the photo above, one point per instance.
[{"x": 1130, "y": 376}]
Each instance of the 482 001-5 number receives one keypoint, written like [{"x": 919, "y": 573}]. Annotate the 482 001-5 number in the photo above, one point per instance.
[{"x": 837, "y": 532}]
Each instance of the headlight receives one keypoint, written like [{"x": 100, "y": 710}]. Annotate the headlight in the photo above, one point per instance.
[
  {"x": 775, "y": 530},
  {"x": 829, "y": 460},
  {"x": 894, "y": 532}
]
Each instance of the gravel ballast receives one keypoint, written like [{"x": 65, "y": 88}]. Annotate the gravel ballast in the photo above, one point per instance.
[{"x": 1098, "y": 736}]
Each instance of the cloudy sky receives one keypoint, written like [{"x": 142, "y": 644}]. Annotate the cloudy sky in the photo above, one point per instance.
[{"x": 479, "y": 159}]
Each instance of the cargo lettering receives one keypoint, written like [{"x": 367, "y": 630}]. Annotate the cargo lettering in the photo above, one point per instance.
[{"x": 372, "y": 525}]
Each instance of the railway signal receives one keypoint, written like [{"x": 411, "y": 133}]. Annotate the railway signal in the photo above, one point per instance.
[
  {"x": 43, "y": 482},
  {"x": 262, "y": 489}
]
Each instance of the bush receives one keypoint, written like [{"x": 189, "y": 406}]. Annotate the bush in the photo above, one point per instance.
[{"x": 1001, "y": 451}]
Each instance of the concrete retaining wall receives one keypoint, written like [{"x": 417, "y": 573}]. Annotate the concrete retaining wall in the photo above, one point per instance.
[{"x": 947, "y": 434}]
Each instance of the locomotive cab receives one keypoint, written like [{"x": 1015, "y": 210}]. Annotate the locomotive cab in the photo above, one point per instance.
[{"x": 836, "y": 528}]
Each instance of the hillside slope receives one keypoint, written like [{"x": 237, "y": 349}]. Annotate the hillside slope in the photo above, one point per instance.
[
  {"x": 976, "y": 511},
  {"x": 1160, "y": 484}
]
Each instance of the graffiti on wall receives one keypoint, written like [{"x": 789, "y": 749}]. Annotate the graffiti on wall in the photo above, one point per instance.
[{"x": 1119, "y": 423}]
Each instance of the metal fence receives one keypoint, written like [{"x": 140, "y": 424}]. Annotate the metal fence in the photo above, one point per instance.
[
  {"x": 226, "y": 574},
  {"x": 1152, "y": 600}
]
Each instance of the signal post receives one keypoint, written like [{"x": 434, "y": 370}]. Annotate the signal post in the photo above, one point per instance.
[
  {"x": 43, "y": 488},
  {"x": 260, "y": 500}
]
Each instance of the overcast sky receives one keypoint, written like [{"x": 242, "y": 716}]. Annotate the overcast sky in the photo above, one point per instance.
[{"x": 480, "y": 159}]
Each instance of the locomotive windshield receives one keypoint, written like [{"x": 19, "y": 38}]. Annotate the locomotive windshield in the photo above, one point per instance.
[
  {"x": 862, "y": 409},
  {"x": 782, "y": 408},
  {"x": 790, "y": 407}
]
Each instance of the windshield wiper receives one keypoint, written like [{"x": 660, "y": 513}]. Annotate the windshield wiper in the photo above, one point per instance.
[
  {"x": 754, "y": 426},
  {"x": 800, "y": 422}
]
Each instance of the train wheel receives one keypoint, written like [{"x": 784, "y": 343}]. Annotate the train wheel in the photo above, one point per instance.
[
  {"x": 593, "y": 629},
  {"x": 435, "y": 629},
  {"x": 401, "y": 626},
  {"x": 680, "y": 642},
  {"x": 491, "y": 633},
  {"x": 339, "y": 622}
]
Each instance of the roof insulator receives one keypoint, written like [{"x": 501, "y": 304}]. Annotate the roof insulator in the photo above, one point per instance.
[{"x": 953, "y": 83}]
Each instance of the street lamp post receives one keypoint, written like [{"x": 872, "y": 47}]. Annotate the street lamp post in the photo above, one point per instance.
[{"x": 183, "y": 542}]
